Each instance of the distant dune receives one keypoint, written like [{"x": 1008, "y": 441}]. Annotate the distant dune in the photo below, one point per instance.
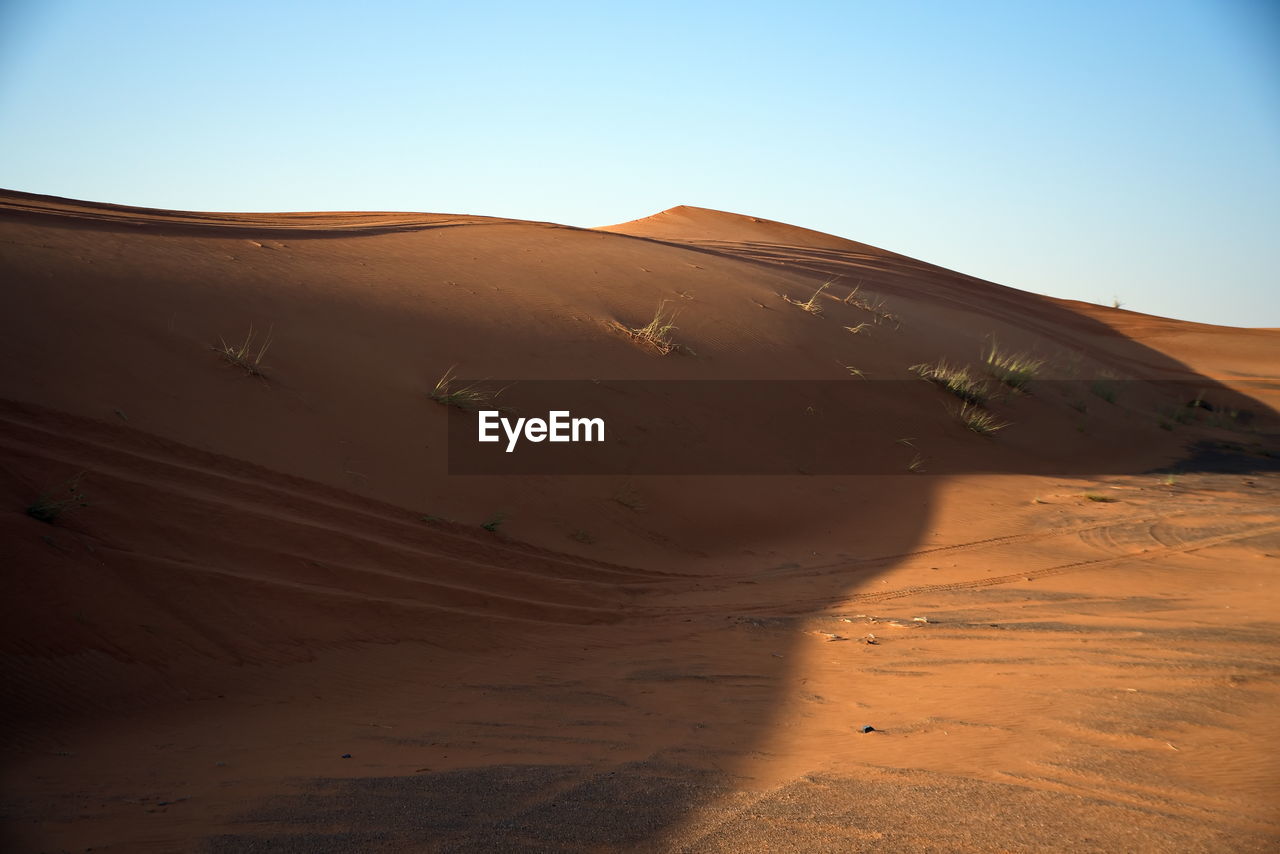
[{"x": 274, "y": 566}]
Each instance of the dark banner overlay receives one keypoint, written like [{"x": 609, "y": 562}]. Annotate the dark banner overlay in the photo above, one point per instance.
[{"x": 844, "y": 427}]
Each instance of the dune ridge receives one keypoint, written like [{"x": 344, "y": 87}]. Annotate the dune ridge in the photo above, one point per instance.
[{"x": 277, "y": 569}]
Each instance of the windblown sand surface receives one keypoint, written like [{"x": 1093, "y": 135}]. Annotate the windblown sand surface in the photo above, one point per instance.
[{"x": 278, "y": 624}]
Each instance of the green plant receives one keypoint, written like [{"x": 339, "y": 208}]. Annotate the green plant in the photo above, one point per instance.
[
  {"x": 657, "y": 332},
  {"x": 958, "y": 381},
  {"x": 1228, "y": 419},
  {"x": 1101, "y": 499},
  {"x": 493, "y": 523},
  {"x": 245, "y": 355},
  {"x": 466, "y": 398},
  {"x": 1015, "y": 370},
  {"x": 978, "y": 419},
  {"x": 811, "y": 304},
  {"x": 1105, "y": 388},
  {"x": 1176, "y": 415},
  {"x": 64, "y": 497},
  {"x": 582, "y": 537}
]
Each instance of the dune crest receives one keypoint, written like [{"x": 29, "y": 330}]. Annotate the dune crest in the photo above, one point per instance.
[{"x": 686, "y": 222}]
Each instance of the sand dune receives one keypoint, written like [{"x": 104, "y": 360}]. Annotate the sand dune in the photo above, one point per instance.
[{"x": 277, "y": 569}]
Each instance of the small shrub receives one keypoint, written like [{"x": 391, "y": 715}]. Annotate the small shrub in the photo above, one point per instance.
[
  {"x": 1101, "y": 499},
  {"x": 958, "y": 381},
  {"x": 67, "y": 496},
  {"x": 494, "y": 522},
  {"x": 245, "y": 356},
  {"x": 582, "y": 537}
]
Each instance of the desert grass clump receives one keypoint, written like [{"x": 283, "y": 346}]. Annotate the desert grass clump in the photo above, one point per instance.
[
  {"x": 810, "y": 305},
  {"x": 1101, "y": 499},
  {"x": 958, "y": 381},
  {"x": 64, "y": 497},
  {"x": 1016, "y": 370},
  {"x": 979, "y": 420},
  {"x": 494, "y": 521},
  {"x": 247, "y": 356},
  {"x": 655, "y": 334},
  {"x": 870, "y": 304},
  {"x": 1105, "y": 388},
  {"x": 1177, "y": 415},
  {"x": 630, "y": 498},
  {"x": 466, "y": 397}
]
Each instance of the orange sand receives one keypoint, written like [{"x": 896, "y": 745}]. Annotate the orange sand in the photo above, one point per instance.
[{"x": 275, "y": 571}]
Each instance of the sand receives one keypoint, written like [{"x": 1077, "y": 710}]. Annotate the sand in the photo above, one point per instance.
[{"x": 279, "y": 625}]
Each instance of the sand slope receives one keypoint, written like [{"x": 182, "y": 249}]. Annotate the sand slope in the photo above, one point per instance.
[{"x": 274, "y": 571}]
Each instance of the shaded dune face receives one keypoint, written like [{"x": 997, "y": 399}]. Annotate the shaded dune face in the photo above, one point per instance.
[{"x": 293, "y": 536}]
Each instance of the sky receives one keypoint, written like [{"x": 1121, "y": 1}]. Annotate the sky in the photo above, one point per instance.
[{"x": 1087, "y": 150}]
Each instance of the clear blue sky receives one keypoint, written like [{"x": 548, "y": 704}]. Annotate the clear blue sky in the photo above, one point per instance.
[{"x": 1081, "y": 149}]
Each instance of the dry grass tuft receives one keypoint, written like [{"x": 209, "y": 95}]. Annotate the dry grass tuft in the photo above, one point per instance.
[
  {"x": 872, "y": 304},
  {"x": 655, "y": 334},
  {"x": 958, "y": 381},
  {"x": 466, "y": 398},
  {"x": 630, "y": 498},
  {"x": 979, "y": 420},
  {"x": 66, "y": 496},
  {"x": 811, "y": 304},
  {"x": 1016, "y": 370},
  {"x": 245, "y": 355}
]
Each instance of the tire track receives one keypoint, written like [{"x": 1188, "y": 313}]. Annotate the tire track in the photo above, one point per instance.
[{"x": 1060, "y": 569}]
